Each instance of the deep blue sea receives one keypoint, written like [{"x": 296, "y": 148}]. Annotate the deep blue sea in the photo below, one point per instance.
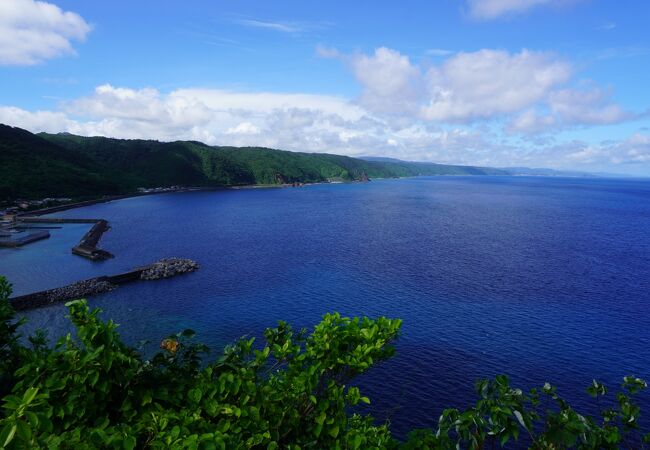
[{"x": 544, "y": 279}]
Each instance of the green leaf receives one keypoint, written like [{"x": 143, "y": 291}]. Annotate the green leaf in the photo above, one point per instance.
[
  {"x": 195, "y": 395},
  {"x": 7, "y": 435},
  {"x": 29, "y": 395},
  {"x": 129, "y": 443},
  {"x": 24, "y": 431}
]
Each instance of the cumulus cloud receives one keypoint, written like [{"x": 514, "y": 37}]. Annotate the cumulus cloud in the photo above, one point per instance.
[
  {"x": 293, "y": 121},
  {"x": 310, "y": 123},
  {"x": 391, "y": 84},
  {"x": 635, "y": 149},
  {"x": 254, "y": 102},
  {"x": 491, "y": 82},
  {"x": 48, "y": 121},
  {"x": 296, "y": 122},
  {"x": 534, "y": 91},
  {"x": 33, "y": 31},
  {"x": 493, "y": 9},
  {"x": 623, "y": 154},
  {"x": 592, "y": 106},
  {"x": 140, "y": 105},
  {"x": 464, "y": 87},
  {"x": 571, "y": 107},
  {"x": 244, "y": 128},
  {"x": 531, "y": 122}
]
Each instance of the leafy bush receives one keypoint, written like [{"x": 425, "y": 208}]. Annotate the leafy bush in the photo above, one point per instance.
[{"x": 293, "y": 392}]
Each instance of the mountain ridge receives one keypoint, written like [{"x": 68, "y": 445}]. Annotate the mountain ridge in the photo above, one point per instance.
[{"x": 34, "y": 166}]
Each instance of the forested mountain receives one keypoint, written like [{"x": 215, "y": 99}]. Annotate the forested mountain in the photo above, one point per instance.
[{"x": 54, "y": 165}]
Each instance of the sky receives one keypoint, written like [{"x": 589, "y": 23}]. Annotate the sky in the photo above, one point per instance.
[{"x": 539, "y": 83}]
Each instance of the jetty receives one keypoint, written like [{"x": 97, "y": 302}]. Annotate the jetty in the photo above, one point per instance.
[
  {"x": 20, "y": 241},
  {"x": 87, "y": 246},
  {"x": 165, "y": 268}
]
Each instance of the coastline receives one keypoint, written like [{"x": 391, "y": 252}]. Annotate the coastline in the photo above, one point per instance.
[
  {"x": 106, "y": 199},
  {"x": 110, "y": 198}
]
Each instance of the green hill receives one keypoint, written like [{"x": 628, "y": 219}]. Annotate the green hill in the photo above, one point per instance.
[
  {"x": 54, "y": 165},
  {"x": 31, "y": 167}
]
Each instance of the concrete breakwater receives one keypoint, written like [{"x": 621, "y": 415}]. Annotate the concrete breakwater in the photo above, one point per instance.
[
  {"x": 164, "y": 268},
  {"x": 87, "y": 246},
  {"x": 19, "y": 242}
]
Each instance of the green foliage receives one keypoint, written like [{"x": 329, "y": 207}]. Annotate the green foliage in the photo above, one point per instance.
[
  {"x": 293, "y": 391},
  {"x": 55, "y": 165},
  {"x": 9, "y": 348},
  {"x": 502, "y": 413},
  {"x": 31, "y": 167}
]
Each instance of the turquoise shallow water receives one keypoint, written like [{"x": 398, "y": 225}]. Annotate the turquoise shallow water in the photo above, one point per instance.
[{"x": 546, "y": 279}]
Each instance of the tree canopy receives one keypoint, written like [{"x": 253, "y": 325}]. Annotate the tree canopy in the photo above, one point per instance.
[{"x": 293, "y": 391}]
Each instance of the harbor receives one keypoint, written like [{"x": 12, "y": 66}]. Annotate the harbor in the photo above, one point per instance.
[{"x": 17, "y": 230}]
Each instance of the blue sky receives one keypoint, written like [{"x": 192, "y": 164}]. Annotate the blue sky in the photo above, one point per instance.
[{"x": 544, "y": 83}]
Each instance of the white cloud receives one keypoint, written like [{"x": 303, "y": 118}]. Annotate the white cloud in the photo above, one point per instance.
[
  {"x": 293, "y": 27},
  {"x": 533, "y": 91},
  {"x": 464, "y": 87},
  {"x": 274, "y": 26},
  {"x": 391, "y": 84},
  {"x": 244, "y": 128},
  {"x": 493, "y": 9},
  {"x": 48, "y": 121},
  {"x": 33, "y": 31},
  {"x": 313, "y": 123},
  {"x": 586, "y": 107},
  {"x": 259, "y": 102},
  {"x": 625, "y": 154},
  {"x": 571, "y": 107},
  {"x": 531, "y": 122},
  {"x": 635, "y": 149},
  {"x": 487, "y": 83},
  {"x": 141, "y": 105}
]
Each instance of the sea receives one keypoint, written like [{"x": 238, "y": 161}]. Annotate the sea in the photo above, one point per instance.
[{"x": 543, "y": 279}]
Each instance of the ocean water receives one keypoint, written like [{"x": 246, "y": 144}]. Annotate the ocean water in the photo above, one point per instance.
[{"x": 543, "y": 279}]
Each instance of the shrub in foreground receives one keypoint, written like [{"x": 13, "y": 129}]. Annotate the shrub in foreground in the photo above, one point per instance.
[{"x": 292, "y": 392}]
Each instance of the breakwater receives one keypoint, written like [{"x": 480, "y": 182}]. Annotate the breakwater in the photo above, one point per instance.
[
  {"x": 33, "y": 219},
  {"x": 18, "y": 242},
  {"x": 87, "y": 246},
  {"x": 164, "y": 268}
]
